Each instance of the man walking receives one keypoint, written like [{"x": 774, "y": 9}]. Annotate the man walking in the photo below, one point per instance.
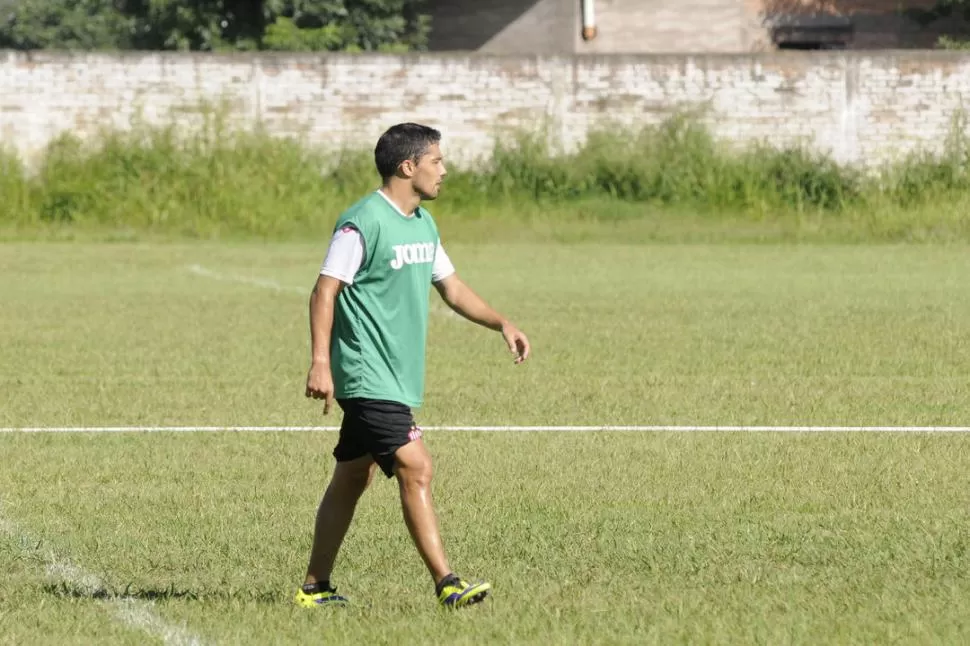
[{"x": 368, "y": 329}]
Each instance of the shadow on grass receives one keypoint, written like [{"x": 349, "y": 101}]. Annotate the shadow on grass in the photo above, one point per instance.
[{"x": 71, "y": 591}]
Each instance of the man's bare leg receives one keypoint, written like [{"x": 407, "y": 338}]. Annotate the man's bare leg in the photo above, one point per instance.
[
  {"x": 413, "y": 469},
  {"x": 335, "y": 513}
]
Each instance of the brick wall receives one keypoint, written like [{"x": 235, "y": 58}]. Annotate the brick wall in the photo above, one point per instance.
[{"x": 857, "y": 106}]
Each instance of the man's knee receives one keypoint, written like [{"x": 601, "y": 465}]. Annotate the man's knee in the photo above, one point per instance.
[{"x": 413, "y": 466}]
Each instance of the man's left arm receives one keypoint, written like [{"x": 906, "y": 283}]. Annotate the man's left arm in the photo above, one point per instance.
[{"x": 462, "y": 299}]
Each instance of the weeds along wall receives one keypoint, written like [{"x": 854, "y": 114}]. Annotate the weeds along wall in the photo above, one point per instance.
[{"x": 859, "y": 108}]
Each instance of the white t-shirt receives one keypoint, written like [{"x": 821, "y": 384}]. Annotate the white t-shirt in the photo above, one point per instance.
[{"x": 346, "y": 255}]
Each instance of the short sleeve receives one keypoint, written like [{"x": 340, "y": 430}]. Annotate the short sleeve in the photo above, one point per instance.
[
  {"x": 345, "y": 255},
  {"x": 442, "y": 267}
]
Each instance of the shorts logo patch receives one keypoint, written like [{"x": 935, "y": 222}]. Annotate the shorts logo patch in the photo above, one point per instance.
[{"x": 414, "y": 433}]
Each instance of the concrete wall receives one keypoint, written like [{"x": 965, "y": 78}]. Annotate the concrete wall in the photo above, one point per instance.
[
  {"x": 673, "y": 26},
  {"x": 664, "y": 26},
  {"x": 555, "y": 26},
  {"x": 504, "y": 26},
  {"x": 859, "y": 107}
]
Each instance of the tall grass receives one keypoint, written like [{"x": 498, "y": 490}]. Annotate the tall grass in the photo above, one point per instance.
[
  {"x": 202, "y": 186},
  {"x": 216, "y": 183},
  {"x": 14, "y": 190},
  {"x": 677, "y": 162}
]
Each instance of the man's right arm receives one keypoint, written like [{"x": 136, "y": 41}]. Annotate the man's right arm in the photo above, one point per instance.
[
  {"x": 344, "y": 259},
  {"x": 322, "y": 301}
]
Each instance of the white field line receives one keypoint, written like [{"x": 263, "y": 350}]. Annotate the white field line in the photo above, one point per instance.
[
  {"x": 199, "y": 270},
  {"x": 498, "y": 429},
  {"x": 134, "y": 613}
]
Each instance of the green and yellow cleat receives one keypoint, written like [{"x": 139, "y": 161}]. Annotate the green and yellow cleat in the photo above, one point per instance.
[
  {"x": 457, "y": 593},
  {"x": 320, "y": 598}
]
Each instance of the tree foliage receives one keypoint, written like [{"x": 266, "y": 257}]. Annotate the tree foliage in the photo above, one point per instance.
[
  {"x": 67, "y": 24},
  {"x": 346, "y": 24},
  {"x": 214, "y": 25},
  {"x": 952, "y": 10}
]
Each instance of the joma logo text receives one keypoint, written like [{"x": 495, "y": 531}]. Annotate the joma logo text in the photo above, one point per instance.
[{"x": 412, "y": 254}]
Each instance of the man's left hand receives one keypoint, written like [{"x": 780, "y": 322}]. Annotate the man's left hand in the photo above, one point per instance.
[{"x": 517, "y": 341}]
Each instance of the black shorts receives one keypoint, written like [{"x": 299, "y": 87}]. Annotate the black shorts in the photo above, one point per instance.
[{"x": 376, "y": 428}]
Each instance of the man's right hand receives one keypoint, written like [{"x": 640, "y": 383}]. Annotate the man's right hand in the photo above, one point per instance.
[{"x": 319, "y": 384}]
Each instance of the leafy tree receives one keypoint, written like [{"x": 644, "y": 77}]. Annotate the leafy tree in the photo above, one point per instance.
[
  {"x": 198, "y": 25},
  {"x": 66, "y": 24},
  {"x": 302, "y": 25},
  {"x": 214, "y": 25}
]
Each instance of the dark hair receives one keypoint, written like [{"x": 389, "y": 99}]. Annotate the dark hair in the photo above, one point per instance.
[{"x": 400, "y": 143}]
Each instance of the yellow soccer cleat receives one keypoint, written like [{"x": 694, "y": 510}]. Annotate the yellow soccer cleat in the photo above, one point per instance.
[
  {"x": 454, "y": 592},
  {"x": 319, "y": 598}
]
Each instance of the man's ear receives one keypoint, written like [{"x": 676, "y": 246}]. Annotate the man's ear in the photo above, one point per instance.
[{"x": 408, "y": 167}]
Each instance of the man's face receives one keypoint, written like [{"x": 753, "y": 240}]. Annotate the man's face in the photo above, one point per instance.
[{"x": 429, "y": 173}]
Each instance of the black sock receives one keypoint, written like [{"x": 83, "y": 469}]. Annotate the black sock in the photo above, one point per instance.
[
  {"x": 451, "y": 579},
  {"x": 314, "y": 588}
]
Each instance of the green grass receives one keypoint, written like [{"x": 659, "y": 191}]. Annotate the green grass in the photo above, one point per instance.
[
  {"x": 685, "y": 334},
  {"x": 588, "y": 538}
]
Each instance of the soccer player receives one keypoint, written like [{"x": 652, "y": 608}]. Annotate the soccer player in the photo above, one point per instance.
[{"x": 368, "y": 328}]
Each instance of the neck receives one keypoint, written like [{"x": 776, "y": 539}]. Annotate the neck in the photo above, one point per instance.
[{"x": 403, "y": 196}]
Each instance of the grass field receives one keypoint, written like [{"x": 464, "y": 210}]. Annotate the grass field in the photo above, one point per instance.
[{"x": 775, "y": 538}]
